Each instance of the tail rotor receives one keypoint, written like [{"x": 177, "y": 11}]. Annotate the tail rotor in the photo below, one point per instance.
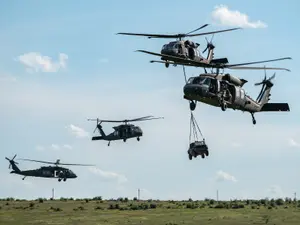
[
  {"x": 209, "y": 44},
  {"x": 11, "y": 161}
]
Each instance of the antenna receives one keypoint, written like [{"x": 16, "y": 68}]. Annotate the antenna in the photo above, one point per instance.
[
  {"x": 52, "y": 193},
  {"x": 139, "y": 191}
]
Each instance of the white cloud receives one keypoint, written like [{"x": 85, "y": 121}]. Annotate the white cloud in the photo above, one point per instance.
[
  {"x": 293, "y": 143},
  {"x": 67, "y": 146},
  {"x": 224, "y": 16},
  {"x": 107, "y": 175},
  {"x": 7, "y": 78},
  {"x": 223, "y": 176},
  {"x": 55, "y": 147},
  {"x": 77, "y": 131},
  {"x": 35, "y": 62}
]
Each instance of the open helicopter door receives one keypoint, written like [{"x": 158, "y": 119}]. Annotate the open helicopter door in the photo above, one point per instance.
[
  {"x": 197, "y": 146},
  {"x": 56, "y": 173}
]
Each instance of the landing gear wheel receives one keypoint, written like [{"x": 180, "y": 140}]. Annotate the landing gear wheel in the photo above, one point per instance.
[
  {"x": 203, "y": 156},
  {"x": 65, "y": 179},
  {"x": 190, "y": 157},
  {"x": 124, "y": 140},
  {"x": 138, "y": 138},
  {"x": 59, "y": 180},
  {"x": 167, "y": 65},
  {"x": 108, "y": 143},
  {"x": 206, "y": 153},
  {"x": 253, "y": 119},
  {"x": 223, "y": 106},
  {"x": 192, "y": 106}
]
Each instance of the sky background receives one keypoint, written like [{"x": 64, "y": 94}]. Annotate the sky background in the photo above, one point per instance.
[{"x": 61, "y": 63}]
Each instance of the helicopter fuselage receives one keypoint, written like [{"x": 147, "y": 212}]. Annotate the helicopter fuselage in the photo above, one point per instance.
[
  {"x": 213, "y": 90},
  {"x": 48, "y": 172},
  {"x": 183, "y": 49}
]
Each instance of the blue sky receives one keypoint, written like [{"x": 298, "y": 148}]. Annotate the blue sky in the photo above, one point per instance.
[{"x": 45, "y": 104}]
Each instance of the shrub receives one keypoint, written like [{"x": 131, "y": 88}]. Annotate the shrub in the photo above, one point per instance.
[{"x": 153, "y": 206}]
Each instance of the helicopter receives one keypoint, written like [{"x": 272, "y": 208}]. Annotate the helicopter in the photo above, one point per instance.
[
  {"x": 226, "y": 91},
  {"x": 123, "y": 131},
  {"x": 56, "y": 171},
  {"x": 184, "y": 52}
]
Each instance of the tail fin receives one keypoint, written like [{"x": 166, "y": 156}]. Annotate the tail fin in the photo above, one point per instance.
[
  {"x": 264, "y": 95},
  {"x": 101, "y": 130},
  {"x": 12, "y": 164},
  {"x": 210, "y": 54}
]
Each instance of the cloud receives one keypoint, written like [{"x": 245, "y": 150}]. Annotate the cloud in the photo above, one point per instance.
[
  {"x": 223, "y": 176},
  {"x": 77, "y": 131},
  {"x": 107, "y": 175},
  {"x": 7, "y": 78},
  {"x": 35, "y": 62},
  {"x": 293, "y": 143},
  {"x": 53, "y": 147},
  {"x": 224, "y": 16}
]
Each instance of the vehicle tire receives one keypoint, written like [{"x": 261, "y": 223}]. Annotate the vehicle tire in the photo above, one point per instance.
[
  {"x": 203, "y": 156},
  {"x": 190, "y": 157},
  {"x": 223, "y": 106},
  {"x": 206, "y": 153}
]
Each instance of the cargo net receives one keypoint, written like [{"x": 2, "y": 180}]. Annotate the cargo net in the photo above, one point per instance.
[{"x": 196, "y": 140}]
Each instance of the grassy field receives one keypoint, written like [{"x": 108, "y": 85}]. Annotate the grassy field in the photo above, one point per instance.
[{"x": 124, "y": 211}]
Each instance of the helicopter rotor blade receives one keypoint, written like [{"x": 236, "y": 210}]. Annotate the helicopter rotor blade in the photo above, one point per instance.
[
  {"x": 205, "y": 25},
  {"x": 257, "y": 68},
  {"x": 249, "y": 63},
  {"x": 57, "y": 162},
  {"x": 213, "y": 32}
]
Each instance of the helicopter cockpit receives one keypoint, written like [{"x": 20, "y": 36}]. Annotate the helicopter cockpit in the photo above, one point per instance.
[{"x": 200, "y": 80}]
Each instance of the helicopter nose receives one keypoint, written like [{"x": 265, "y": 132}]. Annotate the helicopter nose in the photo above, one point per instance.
[{"x": 194, "y": 89}]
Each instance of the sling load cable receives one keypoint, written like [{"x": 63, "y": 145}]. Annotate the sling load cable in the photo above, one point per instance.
[
  {"x": 195, "y": 127},
  {"x": 184, "y": 74}
]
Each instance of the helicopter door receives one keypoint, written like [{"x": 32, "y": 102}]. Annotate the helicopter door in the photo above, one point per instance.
[{"x": 56, "y": 172}]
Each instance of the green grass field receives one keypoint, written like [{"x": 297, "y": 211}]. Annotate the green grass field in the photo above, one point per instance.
[{"x": 124, "y": 211}]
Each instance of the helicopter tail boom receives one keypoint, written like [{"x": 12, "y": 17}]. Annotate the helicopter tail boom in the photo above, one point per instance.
[{"x": 96, "y": 138}]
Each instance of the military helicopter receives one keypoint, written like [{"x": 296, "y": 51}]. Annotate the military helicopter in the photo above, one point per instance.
[
  {"x": 56, "y": 171},
  {"x": 123, "y": 131},
  {"x": 184, "y": 52},
  {"x": 226, "y": 91}
]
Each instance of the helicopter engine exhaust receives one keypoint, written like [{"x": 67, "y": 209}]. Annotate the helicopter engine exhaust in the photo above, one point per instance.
[{"x": 235, "y": 80}]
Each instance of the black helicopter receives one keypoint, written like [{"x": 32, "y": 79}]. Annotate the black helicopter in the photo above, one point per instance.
[
  {"x": 123, "y": 131},
  {"x": 56, "y": 171}
]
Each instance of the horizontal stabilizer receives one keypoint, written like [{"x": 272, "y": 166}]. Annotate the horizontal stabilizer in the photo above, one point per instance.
[
  {"x": 275, "y": 107},
  {"x": 219, "y": 61},
  {"x": 97, "y": 138}
]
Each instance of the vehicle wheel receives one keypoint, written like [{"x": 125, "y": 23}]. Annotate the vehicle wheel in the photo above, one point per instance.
[
  {"x": 124, "y": 140},
  {"x": 203, "y": 156},
  {"x": 138, "y": 138},
  {"x": 254, "y": 122},
  {"x": 192, "y": 106},
  {"x": 190, "y": 157},
  {"x": 206, "y": 153},
  {"x": 167, "y": 65},
  {"x": 65, "y": 179},
  {"x": 59, "y": 180}
]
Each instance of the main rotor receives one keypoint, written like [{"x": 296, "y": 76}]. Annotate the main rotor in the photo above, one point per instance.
[
  {"x": 126, "y": 121},
  {"x": 56, "y": 163},
  {"x": 180, "y": 36}
]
